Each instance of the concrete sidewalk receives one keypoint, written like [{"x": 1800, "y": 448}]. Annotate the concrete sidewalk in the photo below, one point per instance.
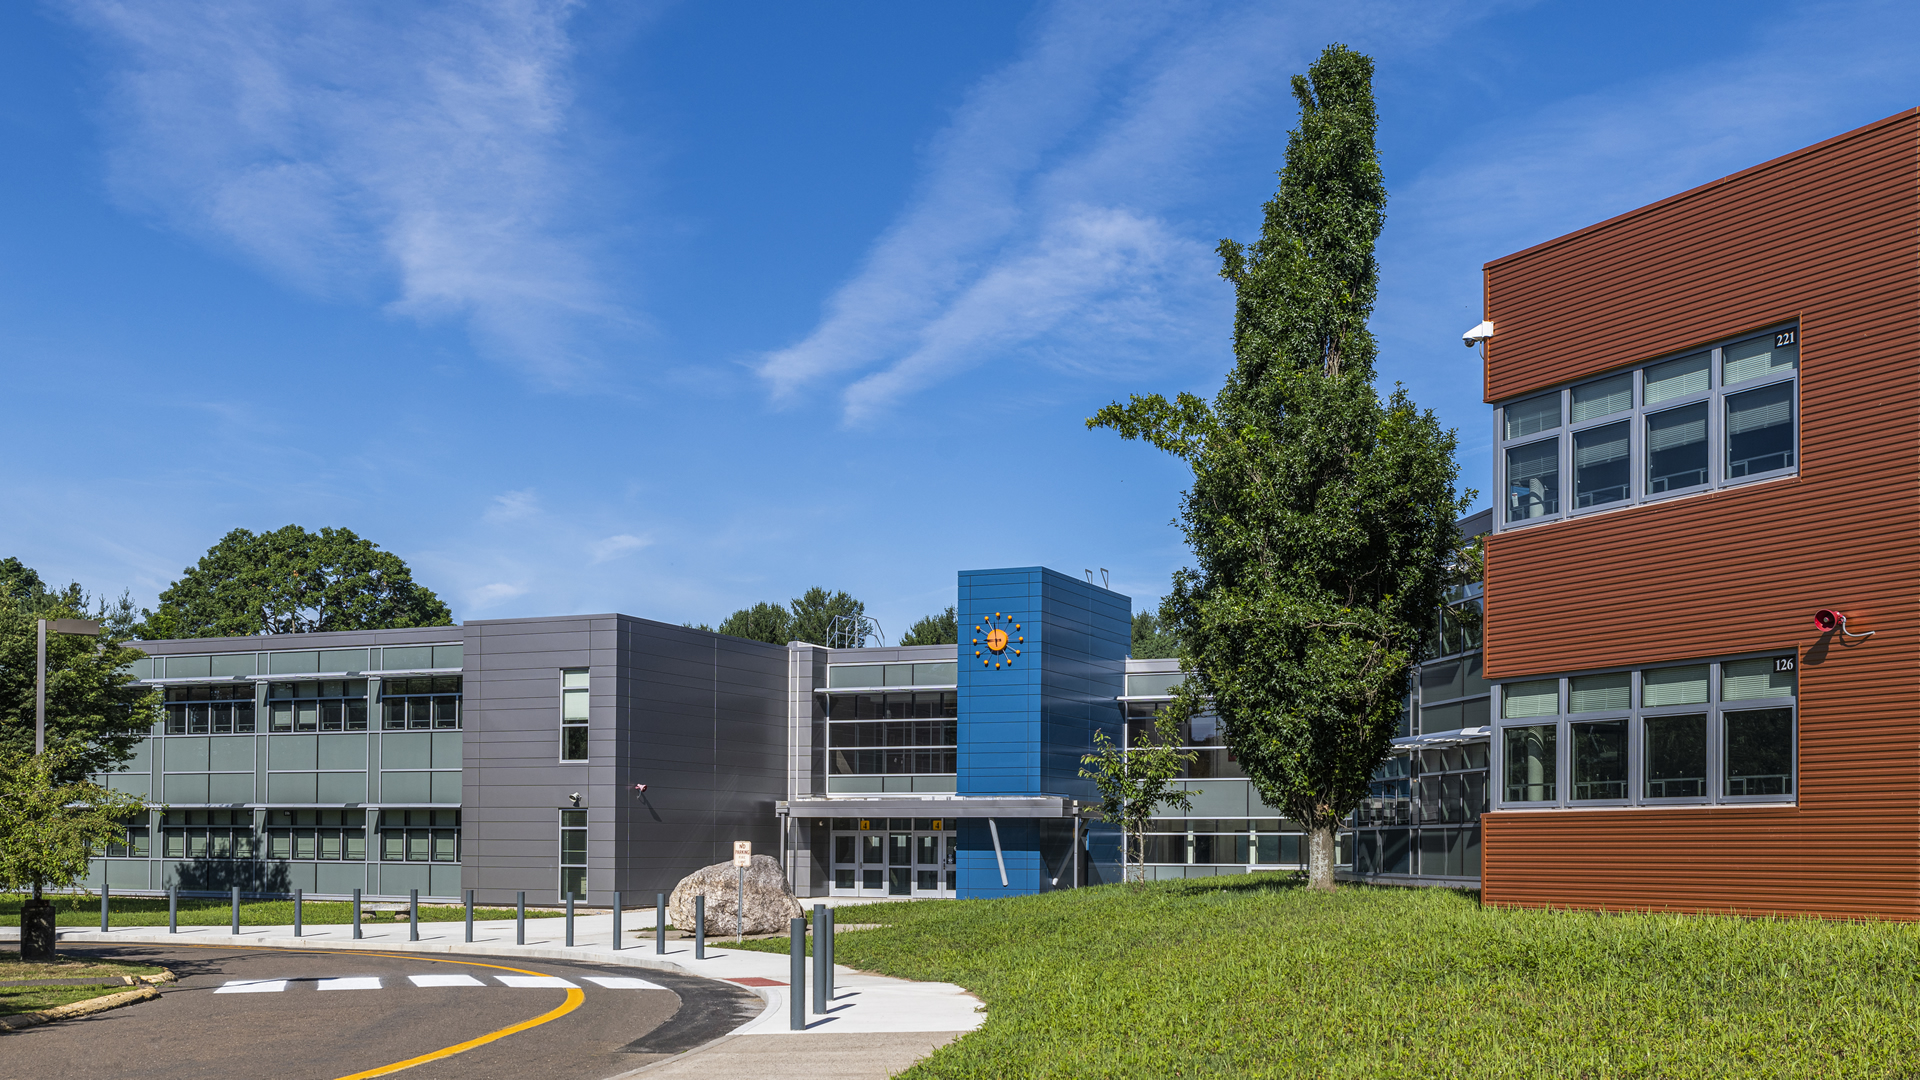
[{"x": 875, "y": 1026}]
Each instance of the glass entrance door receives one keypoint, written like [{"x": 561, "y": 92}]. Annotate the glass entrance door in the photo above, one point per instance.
[{"x": 893, "y": 857}]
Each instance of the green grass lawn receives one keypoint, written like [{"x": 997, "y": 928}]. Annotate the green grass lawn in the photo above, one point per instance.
[
  {"x": 1255, "y": 976},
  {"x": 71, "y": 910},
  {"x": 19, "y": 999}
]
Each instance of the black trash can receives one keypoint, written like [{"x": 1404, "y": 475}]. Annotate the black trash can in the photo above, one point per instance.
[{"x": 36, "y": 931}]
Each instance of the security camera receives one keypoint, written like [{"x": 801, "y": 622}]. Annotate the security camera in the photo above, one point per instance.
[
  {"x": 1477, "y": 335},
  {"x": 1827, "y": 620},
  {"x": 575, "y": 797},
  {"x": 640, "y": 788}
]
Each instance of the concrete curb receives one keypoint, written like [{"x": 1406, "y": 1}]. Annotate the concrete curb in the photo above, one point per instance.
[{"x": 20, "y": 1021}]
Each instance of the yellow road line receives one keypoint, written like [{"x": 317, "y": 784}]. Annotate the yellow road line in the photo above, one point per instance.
[{"x": 575, "y": 999}]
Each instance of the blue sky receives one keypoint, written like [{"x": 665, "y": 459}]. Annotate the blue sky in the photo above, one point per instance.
[{"x": 671, "y": 308}]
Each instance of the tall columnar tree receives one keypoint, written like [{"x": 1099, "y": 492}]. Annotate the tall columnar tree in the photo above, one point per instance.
[
  {"x": 291, "y": 581},
  {"x": 1321, "y": 519}
]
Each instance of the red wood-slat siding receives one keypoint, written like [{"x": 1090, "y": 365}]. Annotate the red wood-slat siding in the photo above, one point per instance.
[{"x": 1830, "y": 235}]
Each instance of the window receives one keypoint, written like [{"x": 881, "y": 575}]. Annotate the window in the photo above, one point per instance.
[
  {"x": 1533, "y": 480},
  {"x": 937, "y": 673},
  {"x": 573, "y": 854},
  {"x": 210, "y": 710},
  {"x": 206, "y": 834},
  {"x": 573, "y": 714},
  {"x": 1703, "y": 733},
  {"x": 317, "y": 705},
  {"x": 1712, "y": 417},
  {"x": 129, "y": 843},
  {"x": 323, "y": 835},
  {"x": 1532, "y": 763},
  {"x": 893, "y": 742},
  {"x": 419, "y": 835},
  {"x": 1203, "y": 736},
  {"x": 420, "y": 703}
]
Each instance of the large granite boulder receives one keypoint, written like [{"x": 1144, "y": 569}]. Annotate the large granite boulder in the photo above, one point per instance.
[{"x": 769, "y": 899}]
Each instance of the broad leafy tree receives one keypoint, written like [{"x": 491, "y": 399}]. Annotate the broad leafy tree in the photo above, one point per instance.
[
  {"x": 292, "y": 581},
  {"x": 53, "y": 820},
  {"x": 96, "y": 715},
  {"x": 815, "y": 610},
  {"x": 771, "y": 623},
  {"x": 807, "y": 618},
  {"x": 941, "y": 629},
  {"x": 1152, "y": 638},
  {"x": 1321, "y": 519},
  {"x": 1135, "y": 782}
]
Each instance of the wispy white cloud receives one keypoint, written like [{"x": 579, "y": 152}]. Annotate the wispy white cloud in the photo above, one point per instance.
[
  {"x": 1048, "y": 224},
  {"x": 615, "y": 546},
  {"x": 490, "y": 594},
  {"x": 409, "y": 153},
  {"x": 513, "y": 506}
]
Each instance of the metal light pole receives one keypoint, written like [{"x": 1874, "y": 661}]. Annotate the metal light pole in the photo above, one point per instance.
[
  {"x": 76, "y": 627},
  {"x": 37, "y": 936}
]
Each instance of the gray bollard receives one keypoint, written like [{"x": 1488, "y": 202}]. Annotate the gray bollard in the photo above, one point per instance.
[
  {"x": 105, "y": 889},
  {"x": 797, "y": 978},
  {"x": 659, "y": 922},
  {"x": 569, "y": 918},
  {"x": 822, "y": 959},
  {"x": 356, "y": 914},
  {"x": 824, "y": 943},
  {"x": 413, "y": 914},
  {"x": 236, "y": 911},
  {"x": 173, "y": 910},
  {"x": 616, "y": 920},
  {"x": 520, "y": 922},
  {"x": 298, "y": 895},
  {"x": 469, "y": 916},
  {"x": 700, "y": 927}
]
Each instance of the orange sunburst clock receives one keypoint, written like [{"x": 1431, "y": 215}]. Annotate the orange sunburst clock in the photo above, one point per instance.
[{"x": 995, "y": 640}]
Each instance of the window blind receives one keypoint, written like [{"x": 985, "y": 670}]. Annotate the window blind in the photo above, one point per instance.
[
  {"x": 1747, "y": 680},
  {"x": 1594, "y": 693},
  {"x": 1681, "y": 427},
  {"x": 1756, "y": 358},
  {"x": 1538, "y": 698},
  {"x": 1534, "y": 414},
  {"x": 1677, "y": 378},
  {"x": 1674, "y": 686},
  {"x": 1600, "y": 445},
  {"x": 1603, "y": 398},
  {"x": 1756, "y": 410}
]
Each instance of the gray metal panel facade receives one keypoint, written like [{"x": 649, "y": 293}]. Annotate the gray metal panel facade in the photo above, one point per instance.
[{"x": 698, "y": 717}]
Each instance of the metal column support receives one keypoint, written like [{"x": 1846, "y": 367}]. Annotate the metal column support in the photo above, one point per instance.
[{"x": 997, "y": 856}]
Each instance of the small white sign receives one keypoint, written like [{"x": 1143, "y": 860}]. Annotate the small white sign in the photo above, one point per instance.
[{"x": 743, "y": 854}]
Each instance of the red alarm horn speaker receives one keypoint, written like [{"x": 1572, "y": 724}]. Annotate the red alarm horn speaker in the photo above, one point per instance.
[{"x": 1827, "y": 620}]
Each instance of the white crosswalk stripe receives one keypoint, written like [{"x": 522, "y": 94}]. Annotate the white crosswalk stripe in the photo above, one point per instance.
[
  {"x": 373, "y": 982},
  {"x": 251, "y": 986},
  {"x": 356, "y": 982},
  {"x": 444, "y": 980},
  {"x": 614, "y": 982},
  {"x": 529, "y": 982}
]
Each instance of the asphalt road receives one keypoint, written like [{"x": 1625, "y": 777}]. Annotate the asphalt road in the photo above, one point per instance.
[{"x": 240, "y": 1013}]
